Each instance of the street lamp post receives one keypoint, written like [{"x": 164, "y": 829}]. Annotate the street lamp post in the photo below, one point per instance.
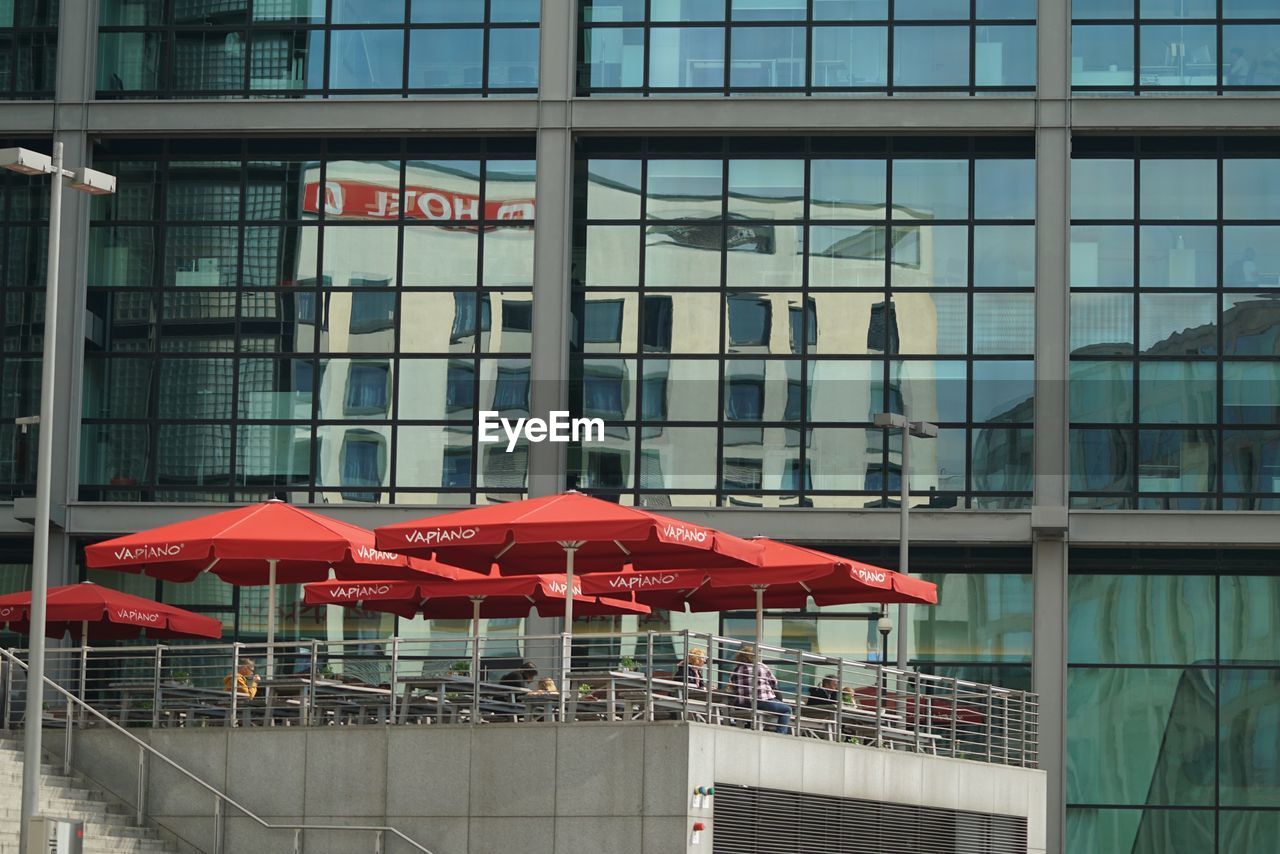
[
  {"x": 27, "y": 162},
  {"x": 919, "y": 430}
]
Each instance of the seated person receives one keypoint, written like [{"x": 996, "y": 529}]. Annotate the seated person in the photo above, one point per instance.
[
  {"x": 689, "y": 673},
  {"x": 546, "y": 688},
  {"x": 823, "y": 694},
  {"x": 245, "y": 680},
  {"x": 521, "y": 677},
  {"x": 749, "y": 676}
]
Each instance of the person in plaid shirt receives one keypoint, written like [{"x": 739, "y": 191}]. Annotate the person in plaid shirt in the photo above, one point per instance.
[{"x": 766, "y": 693}]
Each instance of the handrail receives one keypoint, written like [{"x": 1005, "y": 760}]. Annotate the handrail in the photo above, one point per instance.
[{"x": 221, "y": 796}]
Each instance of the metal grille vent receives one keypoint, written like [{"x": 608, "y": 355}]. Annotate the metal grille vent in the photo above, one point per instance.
[{"x": 767, "y": 821}]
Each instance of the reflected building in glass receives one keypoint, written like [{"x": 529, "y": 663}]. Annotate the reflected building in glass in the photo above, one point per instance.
[{"x": 734, "y": 231}]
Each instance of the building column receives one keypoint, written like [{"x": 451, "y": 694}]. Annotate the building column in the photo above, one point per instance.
[
  {"x": 1052, "y": 417},
  {"x": 551, "y": 259}
]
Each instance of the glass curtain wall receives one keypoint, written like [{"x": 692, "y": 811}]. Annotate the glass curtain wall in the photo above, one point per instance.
[
  {"x": 1175, "y": 324},
  {"x": 726, "y": 46},
  {"x": 742, "y": 310},
  {"x": 28, "y": 49},
  {"x": 316, "y": 48},
  {"x": 315, "y": 321},
  {"x": 24, "y": 215},
  {"x": 1173, "y": 699},
  {"x": 1170, "y": 45}
]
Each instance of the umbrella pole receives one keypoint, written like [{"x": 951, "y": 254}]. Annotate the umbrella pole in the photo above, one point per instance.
[
  {"x": 755, "y": 669},
  {"x": 566, "y": 652},
  {"x": 271, "y": 619},
  {"x": 475, "y": 658}
]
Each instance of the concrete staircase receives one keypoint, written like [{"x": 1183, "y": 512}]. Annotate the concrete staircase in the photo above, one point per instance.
[{"x": 108, "y": 826}]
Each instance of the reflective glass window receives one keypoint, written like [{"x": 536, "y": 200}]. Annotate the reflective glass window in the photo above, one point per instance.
[{"x": 1179, "y": 189}]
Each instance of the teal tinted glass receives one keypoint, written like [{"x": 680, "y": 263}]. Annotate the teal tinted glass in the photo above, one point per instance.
[
  {"x": 989, "y": 619},
  {"x": 1121, "y": 831},
  {"x": 1140, "y": 619},
  {"x": 1101, "y": 189},
  {"x": 1249, "y": 752}
]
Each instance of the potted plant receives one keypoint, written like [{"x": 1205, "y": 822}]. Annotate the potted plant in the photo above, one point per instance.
[
  {"x": 584, "y": 692},
  {"x": 460, "y": 668},
  {"x": 626, "y": 664}
]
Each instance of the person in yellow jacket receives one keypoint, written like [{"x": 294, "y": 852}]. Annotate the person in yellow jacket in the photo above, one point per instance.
[{"x": 246, "y": 680}]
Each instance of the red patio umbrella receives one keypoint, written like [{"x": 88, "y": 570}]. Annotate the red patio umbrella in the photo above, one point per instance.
[
  {"x": 88, "y": 610},
  {"x": 787, "y": 577},
  {"x": 587, "y": 534},
  {"x": 268, "y": 543}
]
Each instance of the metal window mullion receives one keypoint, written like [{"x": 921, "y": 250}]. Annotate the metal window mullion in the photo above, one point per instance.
[{"x": 396, "y": 304}]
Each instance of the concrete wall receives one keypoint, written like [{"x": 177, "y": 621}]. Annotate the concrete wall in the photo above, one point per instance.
[{"x": 536, "y": 789}]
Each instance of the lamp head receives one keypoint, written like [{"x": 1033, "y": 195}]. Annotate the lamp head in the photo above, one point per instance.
[
  {"x": 93, "y": 182},
  {"x": 889, "y": 420},
  {"x": 24, "y": 161},
  {"x": 884, "y": 625}
]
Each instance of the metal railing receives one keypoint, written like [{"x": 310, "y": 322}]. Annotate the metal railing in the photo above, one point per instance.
[
  {"x": 640, "y": 676},
  {"x": 76, "y": 712}
]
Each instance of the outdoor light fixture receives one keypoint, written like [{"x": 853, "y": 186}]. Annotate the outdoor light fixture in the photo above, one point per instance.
[
  {"x": 24, "y": 161},
  {"x": 27, "y": 162},
  {"x": 910, "y": 430},
  {"x": 884, "y": 626},
  {"x": 93, "y": 182}
]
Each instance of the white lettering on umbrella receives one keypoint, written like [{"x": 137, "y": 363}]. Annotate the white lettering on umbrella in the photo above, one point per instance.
[
  {"x": 631, "y": 582},
  {"x": 559, "y": 588},
  {"x": 137, "y": 616},
  {"x": 8, "y": 612},
  {"x": 363, "y": 591},
  {"x": 367, "y": 553},
  {"x": 870, "y": 577},
  {"x": 167, "y": 550},
  {"x": 442, "y": 535},
  {"x": 682, "y": 534}
]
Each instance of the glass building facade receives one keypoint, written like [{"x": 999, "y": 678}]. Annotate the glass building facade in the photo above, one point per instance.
[
  {"x": 315, "y": 48},
  {"x": 822, "y": 46},
  {"x": 734, "y": 231}
]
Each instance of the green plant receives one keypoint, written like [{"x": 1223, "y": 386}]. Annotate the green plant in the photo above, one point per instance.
[
  {"x": 460, "y": 668},
  {"x": 584, "y": 690},
  {"x": 327, "y": 671},
  {"x": 626, "y": 662}
]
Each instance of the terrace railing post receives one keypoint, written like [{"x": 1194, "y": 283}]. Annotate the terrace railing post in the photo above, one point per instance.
[
  {"x": 83, "y": 693},
  {"x": 795, "y": 726},
  {"x": 839, "y": 733},
  {"x": 235, "y": 683},
  {"x": 377, "y": 842},
  {"x": 880, "y": 677},
  {"x": 142, "y": 787},
  {"x": 219, "y": 825},
  {"x": 66, "y": 747},
  {"x": 156, "y": 697},
  {"x": 991, "y": 723},
  {"x": 393, "y": 677},
  {"x": 955, "y": 713},
  {"x": 310, "y": 710},
  {"x": 648, "y": 679},
  {"x": 8, "y": 688},
  {"x": 297, "y": 840}
]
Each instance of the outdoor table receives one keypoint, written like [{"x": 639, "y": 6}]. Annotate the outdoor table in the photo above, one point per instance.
[
  {"x": 353, "y": 697},
  {"x": 494, "y": 696},
  {"x": 539, "y": 706},
  {"x": 201, "y": 699},
  {"x": 626, "y": 692}
]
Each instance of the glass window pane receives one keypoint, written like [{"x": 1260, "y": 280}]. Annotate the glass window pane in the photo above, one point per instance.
[
  {"x": 1097, "y": 830},
  {"x": 366, "y": 59},
  {"x": 680, "y": 390},
  {"x": 1005, "y": 56},
  {"x": 437, "y": 256},
  {"x": 764, "y": 256},
  {"x": 845, "y": 391},
  {"x": 930, "y": 256},
  {"x": 678, "y": 458},
  {"x": 1140, "y": 736},
  {"x": 687, "y": 10},
  {"x": 768, "y": 10},
  {"x": 937, "y": 465},
  {"x": 1102, "y": 189},
  {"x": 847, "y": 189},
  {"x": 1249, "y": 54},
  {"x": 1101, "y": 392},
  {"x": 1177, "y": 8},
  {"x": 513, "y": 58},
  {"x": 1179, "y": 189},
  {"x": 1250, "y": 327},
  {"x": 368, "y": 11},
  {"x": 1247, "y": 9},
  {"x": 1251, "y": 393},
  {"x": 1251, "y": 189},
  {"x": 434, "y": 457},
  {"x": 1002, "y": 634},
  {"x": 1101, "y": 256},
  {"x": 615, "y": 56},
  {"x": 1250, "y": 705},
  {"x": 679, "y": 189},
  {"x": 1102, "y": 8},
  {"x": 1178, "y": 256},
  {"x": 1177, "y": 392},
  {"x": 1101, "y": 324},
  {"x": 850, "y": 10},
  {"x": 1101, "y": 56},
  {"x": 1251, "y": 461},
  {"x": 767, "y": 57},
  {"x": 930, "y": 189},
  {"x": 1249, "y": 619},
  {"x": 931, "y": 10},
  {"x": 846, "y": 256},
  {"x": 1003, "y": 461},
  {"x": 1004, "y": 189},
  {"x": 1004, "y": 324},
  {"x": 508, "y": 258},
  {"x": 1177, "y": 324},
  {"x": 1251, "y": 256},
  {"x": 1006, "y": 9},
  {"x": 1178, "y": 56},
  {"x": 850, "y": 57},
  {"x": 273, "y": 455},
  {"x": 445, "y": 59},
  {"x": 932, "y": 323},
  {"x": 514, "y": 10},
  {"x": 1140, "y": 619},
  {"x": 931, "y": 56},
  {"x": 1003, "y": 392},
  {"x": 931, "y": 391},
  {"x": 681, "y": 57},
  {"x": 841, "y": 459},
  {"x": 129, "y": 62},
  {"x": 766, "y": 189},
  {"x": 1172, "y": 461},
  {"x": 1004, "y": 256},
  {"x": 1101, "y": 460},
  {"x": 613, "y": 255},
  {"x": 613, "y": 189}
]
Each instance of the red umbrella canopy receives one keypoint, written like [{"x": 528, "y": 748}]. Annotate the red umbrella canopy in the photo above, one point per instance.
[
  {"x": 789, "y": 575},
  {"x": 501, "y": 596},
  {"x": 527, "y": 537},
  {"x": 110, "y": 615},
  {"x": 237, "y": 545}
]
